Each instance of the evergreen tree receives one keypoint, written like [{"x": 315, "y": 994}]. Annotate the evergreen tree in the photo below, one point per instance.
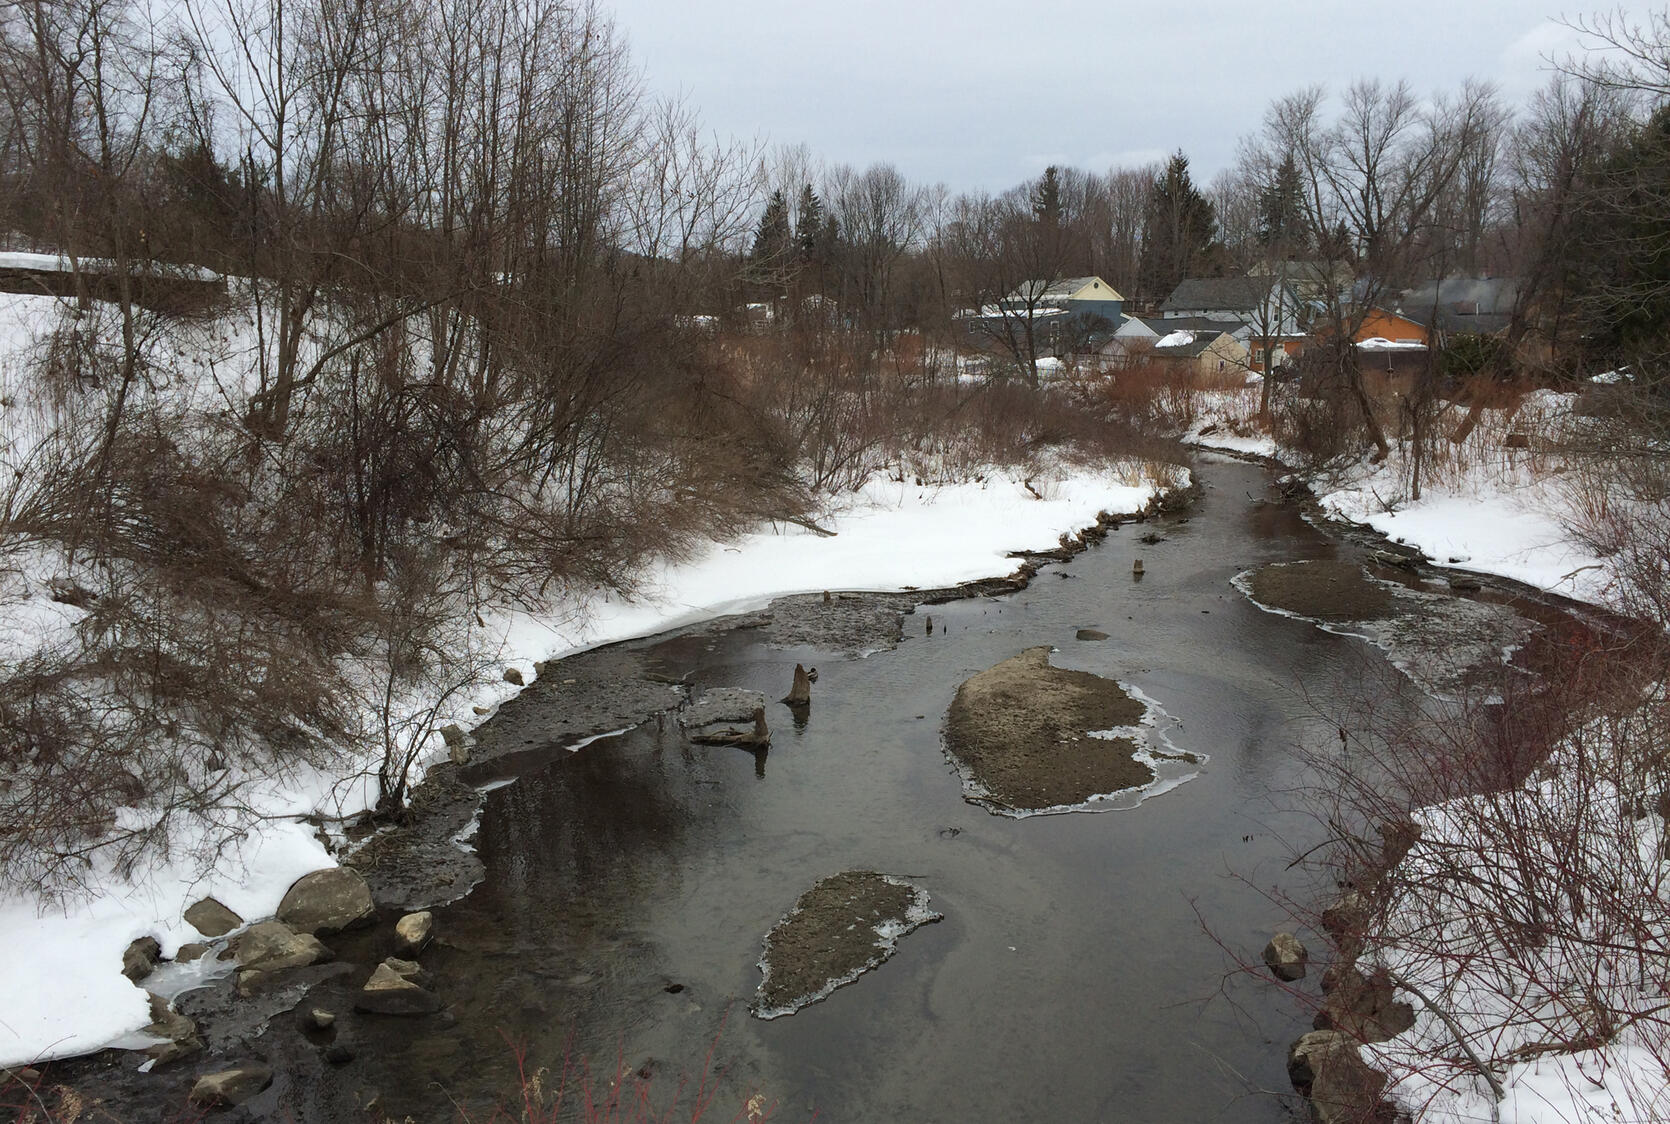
[
  {"x": 773, "y": 241},
  {"x": 1281, "y": 212},
  {"x": 1179, "y": 229},
  {"x": 1046, "y": 197},
  {"x": 809, "y": 227}
]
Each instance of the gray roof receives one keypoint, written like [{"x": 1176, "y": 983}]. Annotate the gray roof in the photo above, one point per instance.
[
  {"x": 1460, "y": 305},
  {"x": 1167, "y": 324},
  {"x": 1238, "y": 293}
]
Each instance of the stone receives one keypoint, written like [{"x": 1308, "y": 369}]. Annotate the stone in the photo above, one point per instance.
[
  {"x": 339, "y": 1053},
  {"x": 318, "y": 1018},
  {"x": 1136, "y": 568},
  {"x": 253, "y": 982},
  {"x": 272, "y": 946},
  {"x": 1091, "y": 634},
  {"x": 1365, "y": 1007},
  {"x": 513, "y": 677},
  {"x": 327, "y": 901},
  {"x": 1462, "y": 584},
  {"x": 195, "y": 950},
  {"x": 414, "y": 930},
  {"x": 408, "y": 970},
  {"x": 800, "y": 693},
  {"x": 212, "y": 919},
  {"x": 388, "y": 992},
  {"x": 1286, "y": 957},
  {"x": 1325, "y": 1066},
  {"x": 140, "y": 958},
  {"x": 231, "y": 1086},
  {"x": 1346, "y": 918},
  {"x": 178, "y": 1029}
]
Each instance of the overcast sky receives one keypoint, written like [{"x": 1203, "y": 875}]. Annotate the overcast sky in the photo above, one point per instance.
[{"x": 985, "y": 93}]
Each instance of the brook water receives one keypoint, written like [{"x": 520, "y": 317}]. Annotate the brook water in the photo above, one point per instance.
[{"x": 1077, "y": 974}]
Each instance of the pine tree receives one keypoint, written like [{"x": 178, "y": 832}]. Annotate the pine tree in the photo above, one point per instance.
[
  {"x": 773, "y": 241},
  {"x": 809, "y": 227},
  {"x": 1281, "y": 212},
  {"x": 1178, "y": 233},
  {"x": 1046, "y": 197}
]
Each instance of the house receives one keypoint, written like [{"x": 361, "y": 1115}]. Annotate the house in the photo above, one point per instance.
[
  {"x": 1063, "y": 316},
  {"x": 1201, "y": 352},
  {"x": 1269, "y": 307},
  {"x": 1315, "y": 283},
  {"x": 1133, "y": 341}
]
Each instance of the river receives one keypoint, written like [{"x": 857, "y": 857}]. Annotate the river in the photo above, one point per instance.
[{"x": 1080, "y": 972}]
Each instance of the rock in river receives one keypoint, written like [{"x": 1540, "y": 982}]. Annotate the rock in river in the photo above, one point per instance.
[
  {"x": 231, "y": 1086},
  {"x": 1286, "y": 957},
  {"x": 271, "y": 946},
  {"x": 391, "y": 991},
  {"x": 1021, "y": 733},
  {"x": 842, "y": 927},
  {"x": 327, "y": 901}
]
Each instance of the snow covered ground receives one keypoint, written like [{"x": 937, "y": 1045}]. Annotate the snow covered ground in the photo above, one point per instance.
[
  {"x": 61, "y": 978},
  {"x": 1565, "y": 1007}
]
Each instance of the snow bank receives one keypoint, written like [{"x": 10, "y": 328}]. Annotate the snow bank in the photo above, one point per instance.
[
  {"x": 1490, "y": 523},
  {"x": 1531, "y": 986}
]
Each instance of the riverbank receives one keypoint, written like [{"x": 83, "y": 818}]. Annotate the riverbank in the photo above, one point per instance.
[
  {"x": 1484, "y": 917},
  {"x": 66, "y": 993}
]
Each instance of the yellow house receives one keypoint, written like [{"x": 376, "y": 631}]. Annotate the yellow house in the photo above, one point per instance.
[{"x": 1203, "y": 353}]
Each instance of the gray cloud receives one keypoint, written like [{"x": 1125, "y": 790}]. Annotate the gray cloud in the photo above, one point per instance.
[{"x": 982, "y": 93}]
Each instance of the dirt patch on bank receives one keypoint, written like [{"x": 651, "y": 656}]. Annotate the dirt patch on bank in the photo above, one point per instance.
[
  {"x": 1321, "y": 590},
  {"x": 1022, "y": 732},
  {"x": 838, "y": 930}
]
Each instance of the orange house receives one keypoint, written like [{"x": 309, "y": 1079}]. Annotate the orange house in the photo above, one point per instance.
[{"x": 1383, "y": 324}]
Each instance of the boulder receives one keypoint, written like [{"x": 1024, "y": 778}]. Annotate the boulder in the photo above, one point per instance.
[
  {"x": 1091, "y": 634},
  {"x": 1286, "y": 957},
  {"x": 1365, "y": 1007},
  {"x": 513, "y": 677},
  {"x": 140, "y": 958},
  {"x": 327, "y": 901},
  {"x": 271, "y": 946},
  {"x": 413, "y": 931},
  {"x": 195, "y": 950},
  {"x": 212, "y": 919},
  {"x": 231, "y": 1086},
  {"x": 1326, "y": 1066},
  {"x": 390, "y": 992}
]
